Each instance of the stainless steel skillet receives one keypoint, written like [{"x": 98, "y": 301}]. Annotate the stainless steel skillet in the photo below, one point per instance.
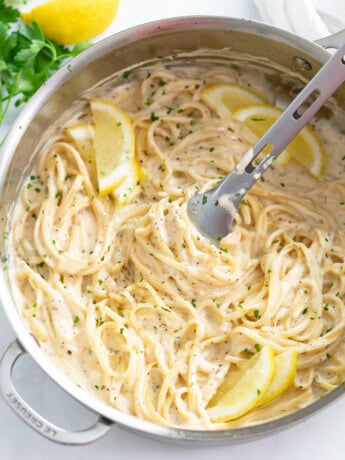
[{"x": 289, "y": 57}]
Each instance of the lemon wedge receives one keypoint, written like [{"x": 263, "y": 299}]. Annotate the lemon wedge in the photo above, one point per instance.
[
  {"x": 82, "y": 137},
  {"x": 306, "y": 148},
  {"x": 284, "y": 373},
  {"x": 226, "y": 98},
  {"x": 72, "y": 21},
  {"x": 114, "y": 146},
  {"x": 243, "y": 387}
]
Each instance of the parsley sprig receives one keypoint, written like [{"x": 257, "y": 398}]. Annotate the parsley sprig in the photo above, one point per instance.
[{"x": 27, "y": 58}]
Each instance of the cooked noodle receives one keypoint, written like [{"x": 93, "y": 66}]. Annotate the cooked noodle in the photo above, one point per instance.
[{"x": 141, "y": 309}]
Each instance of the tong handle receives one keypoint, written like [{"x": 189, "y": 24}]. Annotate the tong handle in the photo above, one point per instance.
[{"x": 288, "y": 125}]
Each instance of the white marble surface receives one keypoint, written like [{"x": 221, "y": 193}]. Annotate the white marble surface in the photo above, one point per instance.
[{"x": 322, "y": 436}]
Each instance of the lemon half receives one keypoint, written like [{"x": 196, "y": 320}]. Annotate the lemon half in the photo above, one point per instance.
[{"x": 72, "y": 21}]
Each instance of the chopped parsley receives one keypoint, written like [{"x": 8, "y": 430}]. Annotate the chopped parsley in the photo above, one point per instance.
[{"x": 154, "y": 117}]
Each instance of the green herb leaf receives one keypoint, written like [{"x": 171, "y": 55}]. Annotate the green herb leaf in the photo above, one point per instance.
[
  {"x": 154, "y": 117},
  {"x": 8, "y": 14},
  {"x": 27, "y": 58}
]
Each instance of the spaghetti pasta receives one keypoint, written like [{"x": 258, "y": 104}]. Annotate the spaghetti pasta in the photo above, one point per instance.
[{"x": 138, "y": 307}]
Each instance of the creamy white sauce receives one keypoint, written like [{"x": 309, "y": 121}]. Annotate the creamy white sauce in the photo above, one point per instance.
[{"x": 142, "y": 311}]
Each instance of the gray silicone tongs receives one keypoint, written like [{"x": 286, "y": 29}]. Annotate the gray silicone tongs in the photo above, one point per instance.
[{"x": 204, "y": 209}]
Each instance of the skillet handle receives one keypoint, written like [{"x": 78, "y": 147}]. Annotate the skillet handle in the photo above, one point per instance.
[
  {"x": 332, "y": 41},
  {"x": 32, "y": 418}
]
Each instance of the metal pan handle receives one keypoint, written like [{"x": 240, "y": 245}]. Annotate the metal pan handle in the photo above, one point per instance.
[
  {"x": 32, "y": 418},
  {"x": 332, "y": 41}
]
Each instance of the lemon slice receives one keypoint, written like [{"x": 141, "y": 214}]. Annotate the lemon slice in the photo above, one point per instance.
[
  {"x": 72, "y": 21},
  {"x": 284, "y": 373},
  {"x": 114, "y": 148},
  {"x": 82, "y": 137},
  {"x": 129, "y": 189},
  {"x": 306, "y": 148},
  {"x": 226, "y": 98},
  {"x": 243, "y": 388}
]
